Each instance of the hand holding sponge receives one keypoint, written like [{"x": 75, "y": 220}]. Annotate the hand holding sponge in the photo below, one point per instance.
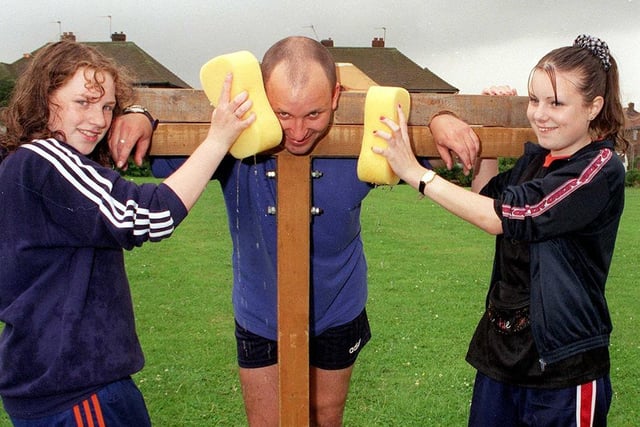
[
  {"x": 380, "y": 101},
  {"x": 265, "y": 132}
]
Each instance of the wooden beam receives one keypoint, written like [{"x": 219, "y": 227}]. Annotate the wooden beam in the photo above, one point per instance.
[
  {"x": 484, "y": 110},
  {"x": 177, "y": 139},
  {"x": 192, "y": 106},
  {"x": 294, "y": 230},
  {"x": 176, "y": 105},
  {"x": 500, "y": 121}
]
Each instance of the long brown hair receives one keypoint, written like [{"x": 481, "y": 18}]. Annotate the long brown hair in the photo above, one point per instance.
[
  {"x": 27, "y": 116},
  {"x": 598, "y": 73}
]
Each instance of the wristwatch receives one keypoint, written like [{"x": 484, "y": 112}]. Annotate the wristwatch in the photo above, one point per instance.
[
  {"x": 140, "y": 109},
  {"x": 426, "y": 179}
]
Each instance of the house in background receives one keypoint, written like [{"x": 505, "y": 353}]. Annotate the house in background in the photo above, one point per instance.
[
  {"x": 632, "y": 133},
  {"x": 358, "y": 67},
  {"x": 385, "y": 66},
  {"x": 146, "y": 71}
]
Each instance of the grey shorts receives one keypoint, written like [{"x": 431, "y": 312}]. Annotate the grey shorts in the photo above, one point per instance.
[{"x": 335, "y": 348}]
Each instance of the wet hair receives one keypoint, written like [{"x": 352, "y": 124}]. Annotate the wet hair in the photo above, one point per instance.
[
  {"x": 27, "y": 116},
  {"x": 597, "y": 71},
  {"x": 296, "y": 52}
]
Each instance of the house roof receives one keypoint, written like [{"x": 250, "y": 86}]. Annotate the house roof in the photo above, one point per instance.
[
  {"x": 632, "y": 116},
  {"x": 389, "y": 67},
  {"x": 146, "y": 71}
]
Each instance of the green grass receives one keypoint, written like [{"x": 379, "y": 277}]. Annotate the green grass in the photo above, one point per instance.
[{"x": 428, "y": 276}]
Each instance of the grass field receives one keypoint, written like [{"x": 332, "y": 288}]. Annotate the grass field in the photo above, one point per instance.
[{"x": 428, "y": 276}]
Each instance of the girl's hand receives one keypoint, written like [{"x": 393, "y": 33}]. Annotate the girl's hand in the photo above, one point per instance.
[
  {"x": 227, "y": 121},
  {"x": 399, "y": 153}
]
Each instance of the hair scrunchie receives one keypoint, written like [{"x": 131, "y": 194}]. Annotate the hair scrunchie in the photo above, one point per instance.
[{"x": 597, "y": 47}]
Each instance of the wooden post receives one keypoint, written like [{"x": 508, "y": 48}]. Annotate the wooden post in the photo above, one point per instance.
[
  {"x": 293, "y": 212},
  {"x": 184, "y": 116}
]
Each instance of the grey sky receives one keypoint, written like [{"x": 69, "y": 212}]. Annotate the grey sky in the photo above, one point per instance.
[{"x": 469, "y": 43}]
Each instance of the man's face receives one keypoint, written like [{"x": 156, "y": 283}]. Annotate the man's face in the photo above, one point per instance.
[{"x": 304, "y": 109}]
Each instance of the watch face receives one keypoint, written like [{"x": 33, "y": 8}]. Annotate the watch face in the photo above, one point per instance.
[
  {"x": 136, "y": 109},
  {"x": 142, "y": 110}
]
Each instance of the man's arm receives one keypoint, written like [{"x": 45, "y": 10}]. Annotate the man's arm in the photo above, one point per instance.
[
  {"x": 486, "y": 169},
  {"x": 452, "y": 135}
]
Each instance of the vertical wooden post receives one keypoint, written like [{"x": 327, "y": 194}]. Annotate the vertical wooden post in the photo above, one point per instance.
[{"x": 293, "y": 219}]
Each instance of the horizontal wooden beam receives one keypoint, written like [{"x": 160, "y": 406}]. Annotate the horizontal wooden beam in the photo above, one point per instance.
[
  {"x": 179, "y": 139},
  {"x": 176, "y": 105},
  {"x": 482, "y": 110},
  {"x": 499, "y": 121},
  {"x": 192, "y": 106}
]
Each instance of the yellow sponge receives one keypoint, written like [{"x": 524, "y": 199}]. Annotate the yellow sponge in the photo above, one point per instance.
[
  {"x": 380, "y": 101},
  {"x": 265, "y": 132}
]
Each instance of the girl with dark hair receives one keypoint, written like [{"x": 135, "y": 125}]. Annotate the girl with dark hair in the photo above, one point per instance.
[{"x": 541, "y": 346}]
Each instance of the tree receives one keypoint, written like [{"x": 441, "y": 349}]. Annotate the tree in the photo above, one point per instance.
[{"x": 6, "y": 87}]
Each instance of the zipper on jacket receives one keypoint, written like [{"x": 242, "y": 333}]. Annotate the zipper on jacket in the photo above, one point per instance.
[{"x": 543, "y": 364}]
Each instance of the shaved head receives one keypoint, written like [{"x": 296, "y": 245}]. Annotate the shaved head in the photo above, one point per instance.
[{"x": 296, "y": 53}]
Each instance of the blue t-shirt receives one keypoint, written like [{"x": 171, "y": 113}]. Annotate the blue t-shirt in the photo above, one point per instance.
[{"x": 338, "y": 265}]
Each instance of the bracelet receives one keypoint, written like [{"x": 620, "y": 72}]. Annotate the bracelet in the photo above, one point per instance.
[
  {"x": 426, "y": 179},
  {"x": 140, "y": 109}
]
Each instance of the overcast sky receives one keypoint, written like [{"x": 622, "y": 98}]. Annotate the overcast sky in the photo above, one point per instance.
[{"x": 469, "y": 43}]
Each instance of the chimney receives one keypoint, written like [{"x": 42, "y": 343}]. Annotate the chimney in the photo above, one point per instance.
[
  {"x": 119, "y": 37},
  {"x": 327, "y": 42},
  {"x": 68, "y": 36},
  {"x": 377, "y": 42}
]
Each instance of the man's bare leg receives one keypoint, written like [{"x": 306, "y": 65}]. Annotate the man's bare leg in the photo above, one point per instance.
[
  {"x": 328, "y": 389},
  {"x": 260, "y": 394}
]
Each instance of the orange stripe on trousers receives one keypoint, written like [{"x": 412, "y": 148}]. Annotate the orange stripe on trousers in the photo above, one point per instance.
[
  {"x": 98, "y": 410},
  {"x": 87, "y": 412},
  {"x": 78, "y": 416}
]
